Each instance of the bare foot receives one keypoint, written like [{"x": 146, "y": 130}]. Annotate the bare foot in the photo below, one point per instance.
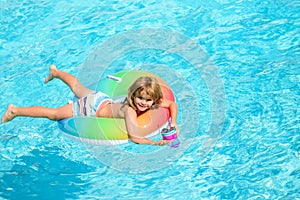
[
  {"x": 52, "y": 73},
  {"x": 9, "y": 114}
]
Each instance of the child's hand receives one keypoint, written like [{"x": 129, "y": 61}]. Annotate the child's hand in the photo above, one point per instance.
[{"x": 162, "y": 142}]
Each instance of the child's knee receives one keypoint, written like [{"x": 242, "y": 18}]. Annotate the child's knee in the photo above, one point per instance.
[{"x": 54, "y": 115}]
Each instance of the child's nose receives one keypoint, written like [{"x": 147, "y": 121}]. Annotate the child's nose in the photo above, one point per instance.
[{"x": 144, "y": 101}]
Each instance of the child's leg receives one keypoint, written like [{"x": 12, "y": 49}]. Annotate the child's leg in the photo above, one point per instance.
[
  {"x": 38, "y": 111},
  {"x": 77, "y": 88}
]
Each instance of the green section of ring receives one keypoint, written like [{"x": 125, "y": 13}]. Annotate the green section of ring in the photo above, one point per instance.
[{"x": 104, "y": 128}]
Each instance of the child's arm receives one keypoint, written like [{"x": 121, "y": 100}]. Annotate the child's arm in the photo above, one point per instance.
[
  {"x": 173, "y": 107},
  {"x": 133, "y": 128},
  {"x": 147, "y": 141}
]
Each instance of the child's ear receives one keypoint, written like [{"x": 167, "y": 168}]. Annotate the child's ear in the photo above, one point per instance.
[{"x": 160, "y": 100}]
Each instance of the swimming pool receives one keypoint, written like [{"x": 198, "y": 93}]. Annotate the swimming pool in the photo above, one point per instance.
[{"x": 252, "y": 45}]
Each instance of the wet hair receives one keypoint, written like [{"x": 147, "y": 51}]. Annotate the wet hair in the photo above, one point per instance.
[{"x": 149, "y": 86}]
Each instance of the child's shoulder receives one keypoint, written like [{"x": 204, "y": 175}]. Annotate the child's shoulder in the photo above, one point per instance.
[{"x": 165, "y": 103}]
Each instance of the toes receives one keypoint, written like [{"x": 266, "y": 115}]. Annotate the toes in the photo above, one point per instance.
[
  {"x": 9, "y": 114},
  {"x": 48, "y": 78},
  {"x": 52, "y": 70}
]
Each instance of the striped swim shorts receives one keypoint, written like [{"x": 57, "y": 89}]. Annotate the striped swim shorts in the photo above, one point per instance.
[{"x": 88, "y": 105}]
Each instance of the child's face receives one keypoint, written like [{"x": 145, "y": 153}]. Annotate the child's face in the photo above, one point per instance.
[{"x": 143, "y": 101}]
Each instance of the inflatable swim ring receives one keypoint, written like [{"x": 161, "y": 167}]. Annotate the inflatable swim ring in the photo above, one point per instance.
[{"x": 111, "y": 131}]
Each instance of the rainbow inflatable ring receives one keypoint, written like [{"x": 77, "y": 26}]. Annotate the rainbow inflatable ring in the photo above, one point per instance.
[{"x": 112, "y": 131}]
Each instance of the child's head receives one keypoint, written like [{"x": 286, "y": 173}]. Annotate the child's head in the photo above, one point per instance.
[{"x": 145, "y": 90}]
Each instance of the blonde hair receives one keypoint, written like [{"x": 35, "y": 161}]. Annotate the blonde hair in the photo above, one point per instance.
[{"x": 146, "y": 84}]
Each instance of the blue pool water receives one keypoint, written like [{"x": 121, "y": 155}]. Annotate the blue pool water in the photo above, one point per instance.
[{"x": 233, "y": 65}]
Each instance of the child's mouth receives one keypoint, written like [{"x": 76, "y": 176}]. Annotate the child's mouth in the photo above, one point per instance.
[{"x": 142, "y": 106}]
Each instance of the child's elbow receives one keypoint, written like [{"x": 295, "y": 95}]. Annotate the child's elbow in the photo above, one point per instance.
[{"x": 134, "y": 140}]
